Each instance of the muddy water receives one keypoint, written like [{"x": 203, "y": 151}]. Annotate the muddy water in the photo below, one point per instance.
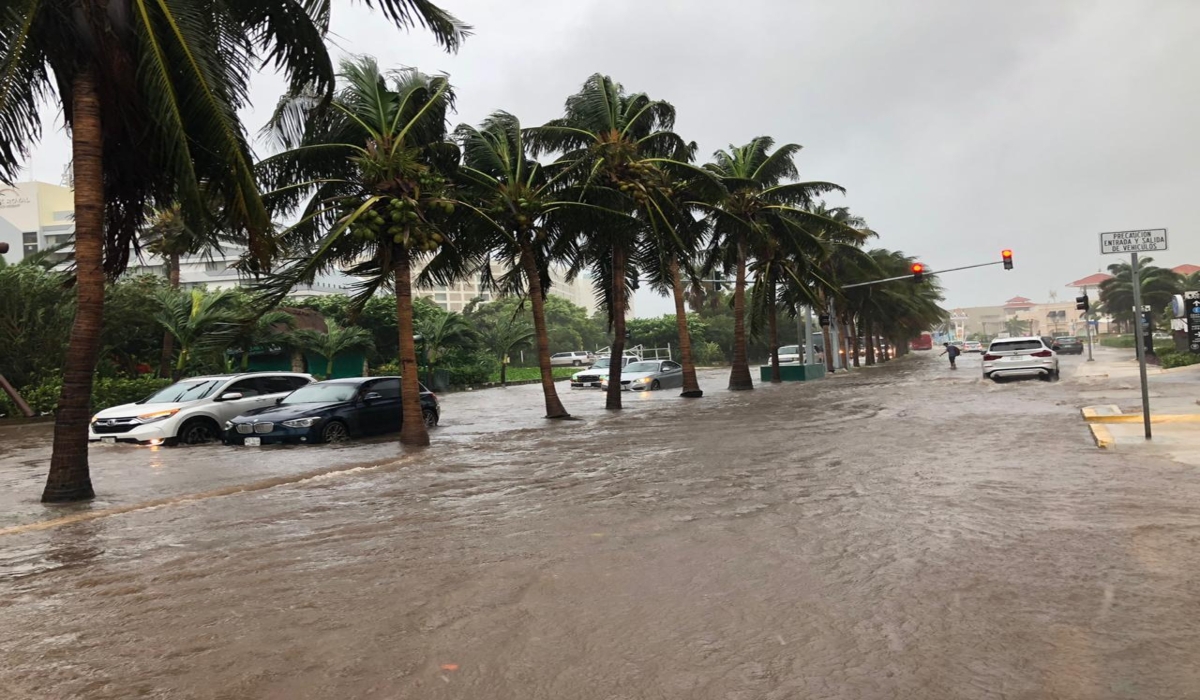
[{"x": 903, "y": 532}]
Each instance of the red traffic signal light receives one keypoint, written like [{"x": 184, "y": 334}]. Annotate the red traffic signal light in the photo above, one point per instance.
[
  {"x": 1006, "y": 256},
  {"x": 918, "y": 272}
]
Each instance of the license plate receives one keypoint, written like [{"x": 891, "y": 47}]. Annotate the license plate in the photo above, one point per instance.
[
  {"x": 1016, "y": 358},
  {"x": 253, "y": 442},
  {"x": 108, "y": 440}
]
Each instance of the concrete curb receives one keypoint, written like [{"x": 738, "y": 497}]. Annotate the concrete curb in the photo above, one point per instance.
[{"x": 1102, "y": 436}]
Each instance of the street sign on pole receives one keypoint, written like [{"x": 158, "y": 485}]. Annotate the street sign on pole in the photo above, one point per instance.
[
  {"x": 1134, "y": 242},
  {"x": 1143, "y": 241},
  {"x": 1192, "y": 301}
]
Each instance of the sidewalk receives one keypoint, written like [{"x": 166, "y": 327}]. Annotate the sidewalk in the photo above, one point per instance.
[{"x": 1113, "y": 408}]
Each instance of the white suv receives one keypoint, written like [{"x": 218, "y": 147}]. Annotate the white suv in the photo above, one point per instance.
[
  {"x": 192, "y": 411},
  {"x": 1007, "y": 357},
  {"x": 592, "y": 376},
  {"x": 577, "y": 358}
]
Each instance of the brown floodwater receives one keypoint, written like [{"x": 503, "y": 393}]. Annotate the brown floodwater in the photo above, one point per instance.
[{"x": 902, "y": 532}]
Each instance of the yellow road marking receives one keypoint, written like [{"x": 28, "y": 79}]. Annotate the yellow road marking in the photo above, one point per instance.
[{"x": 1102, "y": 436}]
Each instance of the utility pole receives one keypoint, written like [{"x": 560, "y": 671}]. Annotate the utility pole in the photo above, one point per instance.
[{"x": 1139, "y": 335}]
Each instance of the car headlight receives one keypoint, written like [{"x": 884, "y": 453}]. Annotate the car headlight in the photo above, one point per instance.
[
  {"x": 229, "y": 425},
  {"x": 300, "y": 422},
  {"x": 157, "y": 416}
]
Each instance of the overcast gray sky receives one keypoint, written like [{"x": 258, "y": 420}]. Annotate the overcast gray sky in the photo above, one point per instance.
[{"x": 958, "y": 128}]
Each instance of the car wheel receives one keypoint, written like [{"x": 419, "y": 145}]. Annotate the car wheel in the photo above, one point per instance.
[
  {"x": 655, "y": 386},
  {"x": 430, "y": 416},
  {"x": 576, "y": 363},
  {"x": 197, "y": 431},
  {"x": 335, "y": 431}
]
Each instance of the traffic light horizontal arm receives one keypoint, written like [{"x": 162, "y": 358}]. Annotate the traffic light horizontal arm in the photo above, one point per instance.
[{"x": 925, "y": 271}]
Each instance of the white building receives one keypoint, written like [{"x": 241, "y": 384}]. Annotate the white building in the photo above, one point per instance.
[{"x": 36, "y": 216}]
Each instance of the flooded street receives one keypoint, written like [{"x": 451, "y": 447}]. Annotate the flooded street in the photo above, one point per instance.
[{"x": 900, "y": 532}]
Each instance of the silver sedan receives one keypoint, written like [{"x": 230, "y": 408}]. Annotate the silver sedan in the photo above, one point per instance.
[{"x": 648, "y": 375}]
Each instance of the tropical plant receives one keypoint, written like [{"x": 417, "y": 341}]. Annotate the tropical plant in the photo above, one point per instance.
[
  {"x": 371, "y": 176},
  {"x": 441, "y": 333},
  {"x": 150, "y": 93},
  {"x": 336, "y": 340},
  {"x": 614, "y": 144},
  {"x": 505, "y": 338},
  {"x": 845, "y": 262},
  {"x": 169, "y": 236},
  {"x": 202, "y": 324},
  {"x": 761, "y": 208},
  {"x": 898, "y": 311},
  {"x": 1158, "y": 285},
  {"x": 518, "y": 218},
  {"x": 274, "y": 327}
]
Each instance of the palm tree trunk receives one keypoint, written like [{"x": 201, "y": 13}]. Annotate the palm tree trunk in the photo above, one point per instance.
[
  {"x": 855, "y": 345},
  {"x": 739, "y": 377},
  {"x": 773, "y": 333},
  {"x": 168, "y": 348},
  {"x": 69, "y": 478},
  {"x": 613, "y": 400},
  {"x": 329, "y": 367},
  {"x": 691, "y": 384},
  {"x": 245, "y": 360},
  {"x": 412, "y": 429},
  {"x": 554, "y": 406},
  {"x": 504, "y": 372},
  {"x": 870, "y": 340}
]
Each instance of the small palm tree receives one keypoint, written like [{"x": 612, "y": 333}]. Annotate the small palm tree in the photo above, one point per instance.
[
  {"x": 1158, "y": 285},
  {"x": 505, "y": 338},
  {"x": 275, "y": 327},
  {"x": 442, "y": 332},
  {"x": 200, "y": 323},
  {"x": 336, "y": 340}
]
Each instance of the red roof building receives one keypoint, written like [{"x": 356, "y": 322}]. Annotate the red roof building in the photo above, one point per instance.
[
  {"x": 1091, "y": 280},
  {"x": 1186, "y": 269},
  {"x": 1018, "y": 304}
]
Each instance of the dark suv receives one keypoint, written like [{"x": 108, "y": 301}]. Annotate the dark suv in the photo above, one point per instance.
[{"x": 1068, "y": 345}]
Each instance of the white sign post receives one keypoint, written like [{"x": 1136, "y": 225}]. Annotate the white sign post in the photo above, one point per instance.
[{"x": 1134, "y": 242}]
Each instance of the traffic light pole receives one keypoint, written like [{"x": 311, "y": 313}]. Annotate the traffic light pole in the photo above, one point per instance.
[{"x": 909, "y": 276}]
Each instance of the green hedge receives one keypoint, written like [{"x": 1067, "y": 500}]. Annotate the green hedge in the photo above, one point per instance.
[
  {"x": 1171, "y": 358},
  {"x": 106, "y": 392}
]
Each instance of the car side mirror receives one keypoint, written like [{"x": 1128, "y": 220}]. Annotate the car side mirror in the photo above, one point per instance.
[
  {"x": 279, "y": 400},
  {"x": 372, "y": 396},
  {"x": 231, "y": 396}
]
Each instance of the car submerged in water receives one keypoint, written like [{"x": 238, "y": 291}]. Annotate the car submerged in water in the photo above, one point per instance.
[
  {"x": 331, "y": 411},
  {"x": 598, "y": 372}
]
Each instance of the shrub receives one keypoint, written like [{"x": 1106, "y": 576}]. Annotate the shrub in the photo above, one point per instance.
[
  {"x": 1178, "y": 359},
  {"x": 707, "y": 354},
  {"x": 106, "y": 393}
]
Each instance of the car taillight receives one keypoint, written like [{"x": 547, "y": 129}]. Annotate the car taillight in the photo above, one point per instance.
[
  {"x": 1043, "y": 353},
  {"x": 990, "y": 358}
]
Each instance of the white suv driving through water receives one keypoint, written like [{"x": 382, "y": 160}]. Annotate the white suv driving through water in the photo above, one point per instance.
[
  {"x": 1009, "y": 357},
  {"x": 192, "y": 411}
]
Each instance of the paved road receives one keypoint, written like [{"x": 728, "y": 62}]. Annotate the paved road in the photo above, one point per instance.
[{"x": 904, "y": 532}]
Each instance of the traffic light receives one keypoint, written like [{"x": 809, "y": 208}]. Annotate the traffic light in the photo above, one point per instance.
[
  {"x": 1006, "y": 256},
  {"x": 823, "y": 319},
  {"x": 918, "y": 272},
  {"x": 1082, "y": 304}
]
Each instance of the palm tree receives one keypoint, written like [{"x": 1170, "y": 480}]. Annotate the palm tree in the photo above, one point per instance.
[
  {"x": 336, "y": 340},
  {"x": 506, "y": 337},
  {"x": 844, "y": 262},
  {"x": 170, "y": 237},
  {"x": 518, "y": 217},
  {"x": 760, "y": 207},
  {"x": 442, "y": 332},
  {"x": 200, "y": 323},
  {"x": 150, "y": 93},
  {"x": 372, "y": 176},
  {"x": 1158, "y": 285},
  {"x": 614, "y": 143}
]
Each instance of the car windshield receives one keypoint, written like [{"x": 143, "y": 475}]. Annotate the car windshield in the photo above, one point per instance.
[
  {"x": 601, "y": 364},
  {"x": 322, "y": 393},
  {"x": 1067, "y": 340},
  {"x": 1017, "y": 346},
  {"x": 789, "y": 350},
  {"x": 179, "y": 392},
  {"x": 642, "y": 367}
]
